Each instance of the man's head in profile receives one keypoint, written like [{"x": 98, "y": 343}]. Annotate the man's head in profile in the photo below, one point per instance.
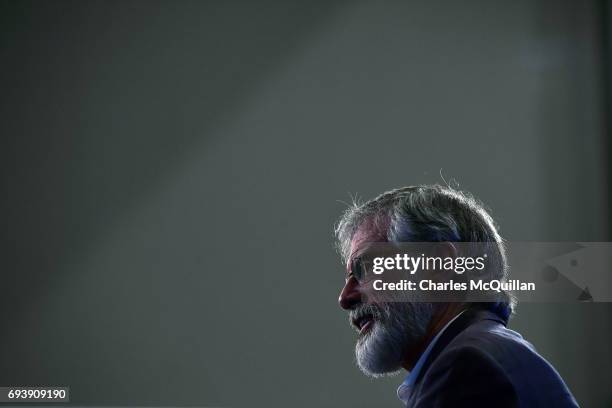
[{"x": 455, "y": 352}]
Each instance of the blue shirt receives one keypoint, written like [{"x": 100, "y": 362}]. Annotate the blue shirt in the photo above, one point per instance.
[{"x": 405, "y": 388}]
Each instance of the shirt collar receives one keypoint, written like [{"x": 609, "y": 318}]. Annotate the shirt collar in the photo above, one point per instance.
[{"x": 405, "y": 388}]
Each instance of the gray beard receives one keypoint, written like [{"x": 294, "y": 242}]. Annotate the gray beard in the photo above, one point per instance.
[{"x": 397, "y": 328}]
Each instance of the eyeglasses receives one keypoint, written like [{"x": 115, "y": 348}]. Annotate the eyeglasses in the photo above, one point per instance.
[{"x": 357, "y": 268}]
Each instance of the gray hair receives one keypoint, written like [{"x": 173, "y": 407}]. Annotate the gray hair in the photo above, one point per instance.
[{"x": 428, "y": 213}]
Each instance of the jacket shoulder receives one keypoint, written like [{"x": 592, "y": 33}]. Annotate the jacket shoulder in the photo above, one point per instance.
[{"x": 489, "y": 364}]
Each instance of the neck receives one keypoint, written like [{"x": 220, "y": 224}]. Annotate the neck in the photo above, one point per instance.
[{"x": 444, "y": 313}]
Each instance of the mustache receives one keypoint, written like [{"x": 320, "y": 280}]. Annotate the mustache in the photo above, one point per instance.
[{"x": 377, "y": 312}]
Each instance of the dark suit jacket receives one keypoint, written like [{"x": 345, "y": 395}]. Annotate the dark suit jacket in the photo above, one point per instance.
[{"x": 478, "y": 362}]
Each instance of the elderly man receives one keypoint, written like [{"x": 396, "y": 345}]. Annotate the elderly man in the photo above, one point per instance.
[{"x": 456, "y": 353}]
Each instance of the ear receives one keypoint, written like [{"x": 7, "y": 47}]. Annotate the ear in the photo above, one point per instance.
[
  {"x": 446, "y": 249},
  {"x": 443, "y": 250}
]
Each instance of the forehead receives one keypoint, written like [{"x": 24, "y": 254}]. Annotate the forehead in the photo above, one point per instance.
[{"x": 371, "y": 230}]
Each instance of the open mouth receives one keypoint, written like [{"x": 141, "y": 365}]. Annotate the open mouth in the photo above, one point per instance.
[{"x": 363, "y": 323}]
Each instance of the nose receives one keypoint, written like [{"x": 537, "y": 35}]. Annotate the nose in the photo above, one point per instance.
[{"x": 350, "y": 296}]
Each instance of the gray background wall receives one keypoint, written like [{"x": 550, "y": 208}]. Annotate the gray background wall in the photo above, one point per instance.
[{"x": 172, "y": 172}]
